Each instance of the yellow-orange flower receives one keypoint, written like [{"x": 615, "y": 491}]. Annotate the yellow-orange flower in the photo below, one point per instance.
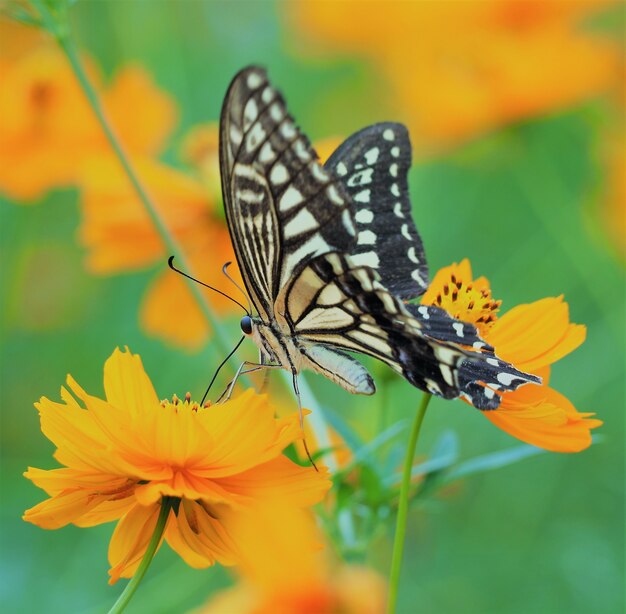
[
  {"x": 47, "y": 128},
  {"x": 120, "y": 236},
  {"x": 532, "y": 337},
  {"x": 297, "y": 580},
  {"x": 122, "y": 454},
  {"x": 458, "y": 69}
]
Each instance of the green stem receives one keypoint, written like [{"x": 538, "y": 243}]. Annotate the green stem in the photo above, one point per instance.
[
  {"x": 58, "y": 26},
  {"x": 131, "y": 587},
  {"x": 403, "y": 507}
]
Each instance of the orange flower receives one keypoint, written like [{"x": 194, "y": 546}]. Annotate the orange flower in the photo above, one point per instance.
[
  {"x": 47, "y": 127},
  {"x": 296, "y": 580},
  {"x": 222, "y": 463},
  {"x": 532, "y": 337},
  {"x": 458, "y": 69},
  {"x": 119, "y": 236}
]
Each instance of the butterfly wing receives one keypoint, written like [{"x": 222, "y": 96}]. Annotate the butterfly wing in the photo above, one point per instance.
[
  {"x": 333, "y": 302},
  {"x": 373, "y": 165},
  {"x": 283, "y": 208}
]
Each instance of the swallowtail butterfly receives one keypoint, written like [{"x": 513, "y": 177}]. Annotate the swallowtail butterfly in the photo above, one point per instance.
[{"x": 330, "y": 255}]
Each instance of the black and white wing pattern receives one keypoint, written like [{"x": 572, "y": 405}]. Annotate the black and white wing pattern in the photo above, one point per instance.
[
  {"x": 330, "y": 253},
  {"x": 373, "y": 164},
  {"x": 282, "y": 206},
  {"x": 346, "y": 307}
]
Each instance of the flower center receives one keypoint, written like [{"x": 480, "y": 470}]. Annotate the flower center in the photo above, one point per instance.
[
  {"x": 468, "y": 303},
  {"x": 187, "y": 404}
]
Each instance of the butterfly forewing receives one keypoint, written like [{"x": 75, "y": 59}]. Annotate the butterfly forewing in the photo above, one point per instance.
[
  {"x": 373, "y": 165},
  {"x": 282, "y": 206}
]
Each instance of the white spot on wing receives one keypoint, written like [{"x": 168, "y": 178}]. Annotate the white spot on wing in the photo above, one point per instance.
[
  {"x": 506, "y": 378},
  {"x": 254, "y": 80},
  {"x": 288, "y": 130},
  {"x": 333, "y": 194},
  {"x": 276, "y": 112},
  {"x": 267, "y": 154},
  {"x": 267, "y": 94},
  {"x": 290, "y": 198},
  {"x": 388, "y": 134},
  {"x": 397, "y": 210},
  {"x": 405, "y": 232},
  {"x": 361, "y": 178},
  {"x": 342, "y": 169},
  {"x": 302, "y": 222},
  {"x": 393, "y": 170},
  {"x": 255, "y": 136},
  {"x": 366, "y": 237},
  {"x": 366, "y": 259},
  {"x": 372, "y": 155},
  {"x": 279, "y": 174},
  {"x": 364, "y": 216},
  {"x": 301, "y": 151},
  {"x": 319, "y": 173},
  {"x": 412, "y": 256},
  {"x": 416, "y": 275},
  {"x": 395, "y": 190},
  {"x": 458, "y": 327},
  {"x": 447, "y": 374},
  {"x": 346, "y": 219},
  {"x": 363, "y": 196},
  {"x": 395, "y": 152},
  {"x": 250, "y": 113},
  {"x": 235, "y": 134},
  {"x": 424, "y": 312}
]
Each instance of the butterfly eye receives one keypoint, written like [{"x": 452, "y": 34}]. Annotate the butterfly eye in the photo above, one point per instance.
[{"x": 246, "y": 325}]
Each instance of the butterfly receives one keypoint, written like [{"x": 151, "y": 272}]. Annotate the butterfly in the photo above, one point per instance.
[{"x": 330, "y": 256}]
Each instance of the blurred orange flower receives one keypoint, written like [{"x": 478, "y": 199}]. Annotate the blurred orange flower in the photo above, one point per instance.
[
  {"x": 458, "y": 69},
  {"x": 222, "y": 463},
  {"x": 119, "y": 236},
  {"x": 297, "y": 580},
  {"x": 47, "y": 128},
  {"x": 532, "y": 337}
]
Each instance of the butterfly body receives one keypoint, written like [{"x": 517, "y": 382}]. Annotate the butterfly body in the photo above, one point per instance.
[{"x": 330, "y": 255}]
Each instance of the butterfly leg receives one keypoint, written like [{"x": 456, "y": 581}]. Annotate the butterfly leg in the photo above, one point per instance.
[
  {"x": 266, "y": 374},
  {"x": 294, "y": 375},
  {"x": 228, "y": 391}
]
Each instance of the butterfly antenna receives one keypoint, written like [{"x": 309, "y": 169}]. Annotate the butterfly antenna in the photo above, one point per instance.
[
  {"x": 225, "y": 271},
  {"x": 170, "y": 262},
  {"x": 219, "y": 369}
]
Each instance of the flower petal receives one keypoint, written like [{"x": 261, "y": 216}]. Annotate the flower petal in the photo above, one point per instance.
[
  {"x": 130, "y": 540},
  {"x": 299, "y": 486},
  {"x": 536, "y": 335},
  {"x": 542, "y": 417},
  {"x": 62, "y": 509},
  {"x": 200, "y": 538},
  {"x": 126, "y": 384},
  {"x": 237, "y": 446}
]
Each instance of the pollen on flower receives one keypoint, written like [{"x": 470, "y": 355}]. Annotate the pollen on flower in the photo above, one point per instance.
[
  {"x": 186, "y": 405},
  {"x": 464, "y": 301}
]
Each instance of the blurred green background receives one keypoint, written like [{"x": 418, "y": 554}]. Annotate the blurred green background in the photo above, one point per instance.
[{"x": 524, "y": 203}]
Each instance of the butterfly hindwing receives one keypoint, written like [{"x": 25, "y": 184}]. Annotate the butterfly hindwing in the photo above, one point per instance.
[
  {"x": 333, "y": 302},
  {"x": 373, "y": 165},
  {"x": 282, "y": 206}
]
